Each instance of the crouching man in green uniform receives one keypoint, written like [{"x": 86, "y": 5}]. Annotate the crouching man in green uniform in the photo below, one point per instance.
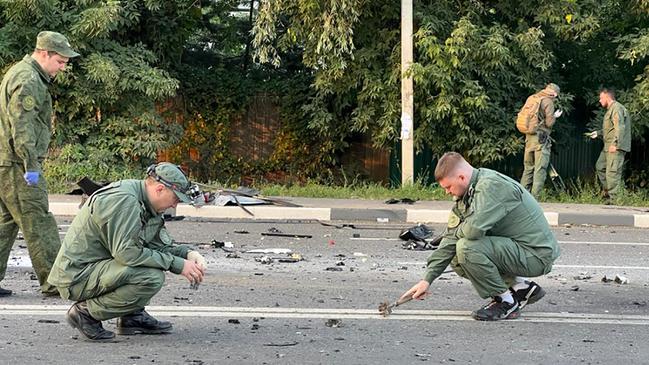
[
  {"x": 114, "y": 256},
  {"x": 497, "y": 237}
]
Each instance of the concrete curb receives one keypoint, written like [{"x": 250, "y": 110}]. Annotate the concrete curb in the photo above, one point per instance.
[{"x": 397, "y": 215}]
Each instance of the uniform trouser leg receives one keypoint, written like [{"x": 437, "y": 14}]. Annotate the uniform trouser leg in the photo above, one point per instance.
[
  {"x": 528, "y": 168},
  {"x": 600, "y": 168},
  {"x": 29, "y": 208},
  {"x": 491, "y": 263},
  {"x": 8, "y": 232},
  {"x": 541, "y": 162},
  {"x": 114, "y": 290},
  {"x": 614, "y": 170}
]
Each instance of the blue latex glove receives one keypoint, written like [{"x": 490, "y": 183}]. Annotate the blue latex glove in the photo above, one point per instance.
[{"x": 31, "y": 177}]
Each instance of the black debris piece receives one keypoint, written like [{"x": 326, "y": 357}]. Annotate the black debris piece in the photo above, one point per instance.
[
  {"x": 242, "y": 231},
  {"x": 419, "y": 238},
  {"x": 233, "y": 321},
  {"x": 274, "y": 230},
  {"x": 400, "y": 201},
  {"x": 48, "y": 321},
  {"x": 334, "y": 323},
  {"x": 169, "y": 217},
  {"x": 283, "y": 344},
  {"x": 334, "y": 268}
]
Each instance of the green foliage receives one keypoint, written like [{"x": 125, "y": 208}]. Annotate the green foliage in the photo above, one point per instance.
[
  {"x": 108, "y": 100},
  {"x": 65, "y": 167}
]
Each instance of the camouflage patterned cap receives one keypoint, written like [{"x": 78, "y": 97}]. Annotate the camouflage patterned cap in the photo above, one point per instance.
[
  {"x": 171, "y": 176},
  {"x": 55, "y": 42},
  {"x": 553, "y": 87}
]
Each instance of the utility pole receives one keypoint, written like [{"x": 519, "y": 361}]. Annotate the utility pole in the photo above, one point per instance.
[{"x": 407, "y": 98}]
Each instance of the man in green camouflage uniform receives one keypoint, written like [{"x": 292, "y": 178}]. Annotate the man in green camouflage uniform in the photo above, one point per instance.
[
  {"x": 25, "y": 118},
  {"x": 496, "y": 237},
  {"x": 114, "y": 256},
  {"x": 616, "y": 133},
  {"x": 538, "y": 146}
]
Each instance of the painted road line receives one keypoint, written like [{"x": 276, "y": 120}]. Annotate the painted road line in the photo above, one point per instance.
[
  {"x": 613, "y": 243},
  {"x": 557, "y": 266},
  {"x": 344, "y": 313}
]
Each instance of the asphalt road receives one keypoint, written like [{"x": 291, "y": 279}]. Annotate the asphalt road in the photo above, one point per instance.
[{"x": 247, "y": 312}]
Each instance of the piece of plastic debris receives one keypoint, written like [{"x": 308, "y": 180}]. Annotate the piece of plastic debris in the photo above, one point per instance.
[
  {"x": 333, "y": 323},
  {"x": 621, "y": 279},
  {"x": 382, "y": 220},
  {"x": 359, "y": 254},
  {"x": 334, "y": 268}
]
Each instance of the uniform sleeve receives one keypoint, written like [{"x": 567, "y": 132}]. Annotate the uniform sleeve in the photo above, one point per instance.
[
  {"x": 23, "y": 112},
  {"x": 165, "y": 243},
  {"x": 488, "y": 208},
  {"x": 547, "y": 109},
  {"x": 439, "y": 260},
  {"x": 122, "y": 232},
  {"x": 620, "y": 126}
]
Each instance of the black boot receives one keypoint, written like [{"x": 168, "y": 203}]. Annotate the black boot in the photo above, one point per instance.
[
  {"x": 5, "y": 292},
  {"x": 141, "y": 322},
  {"x": 79, "y": 318}
]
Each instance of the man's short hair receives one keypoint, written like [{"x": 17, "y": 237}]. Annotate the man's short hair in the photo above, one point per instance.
[
  {"x": 447, "y": 164},
  {"x": 608, "y": 90}
]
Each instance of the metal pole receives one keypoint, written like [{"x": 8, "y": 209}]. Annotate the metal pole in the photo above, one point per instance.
[{"x": 407, "y": 102}]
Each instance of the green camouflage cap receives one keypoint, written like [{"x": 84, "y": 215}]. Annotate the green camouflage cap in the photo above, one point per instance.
[
  {"x": 171, "y": 176},
  {"x": 553, "y": 87},
  {"x": 55, "y": 42}
]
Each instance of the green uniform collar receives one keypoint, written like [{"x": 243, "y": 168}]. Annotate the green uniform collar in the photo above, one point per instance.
[
  {"x": 469, "y": 191},
  {"x": 145, "y": 200},
  {"x": 29, "y": 59}
]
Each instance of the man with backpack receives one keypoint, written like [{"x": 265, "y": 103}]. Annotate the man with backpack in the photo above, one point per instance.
[{"x": 535, "y": 120}]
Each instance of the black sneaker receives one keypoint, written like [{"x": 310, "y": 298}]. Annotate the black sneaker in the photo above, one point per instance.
[
  {"x": 497, "y": 310},
  {"x": 532, "y": 294}
]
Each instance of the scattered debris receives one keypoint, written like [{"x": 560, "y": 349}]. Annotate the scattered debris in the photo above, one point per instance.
[
  {"x": 33, "y": 277},
  {"x": 274, "y": 230},
  {"x": 334, "y": 268},
  {"x": 356, "y": 235},
  {"x": 48, "y": 321},
  {"x": 232, "y": 255},
  {"x": 640, "y": 304},
  {"x": 582, "y": 276},
  {"x": 233, "y": 321},
  {"x": 418, "y": 238},
  {"x": 621, "y": 279},
  {"x": 181, "y": 298},
  {"x": 382, "y": 220},
  {"x": 606, "y": 280},
  {"x": 334, "y": 323},
  {"x": 340, "y": 263},
  {"x": 587, "y": 340},
  {"x": 284, "y": 344},
  {"x": 254, "y": 327},
  {"x": 423, "y": 355},
  {"x": 243, "y": 231},
  {"x": 574, "y": 288},
  {"x": 400, "y": 201},
  {"x": 264, "y": 260}
]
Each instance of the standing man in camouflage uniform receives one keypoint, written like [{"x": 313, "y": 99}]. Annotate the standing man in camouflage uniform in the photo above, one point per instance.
[
  {"x": 616, "y": 133},
  {"x": 25, "y": 130},
  {"x": 496, "y": 237},
  {"x": 115, "y": 254},
  {"x": 538, "y": 146}
]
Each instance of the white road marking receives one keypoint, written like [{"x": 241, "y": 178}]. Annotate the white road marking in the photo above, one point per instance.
[
  {"x": 606, "y": 243},
  {"x": 558, "y": 266},
  {"x": 323, "y": 313}
]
